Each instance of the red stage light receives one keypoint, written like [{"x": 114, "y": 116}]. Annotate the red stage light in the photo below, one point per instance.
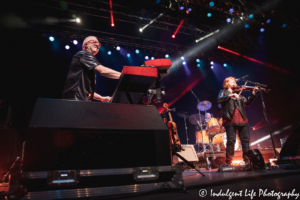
[
  {"x": 173, "y": 36},
  {"x": 111, "y": 13}
]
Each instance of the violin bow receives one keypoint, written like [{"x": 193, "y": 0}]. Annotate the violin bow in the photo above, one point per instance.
[{"x": 243, "y": 88}]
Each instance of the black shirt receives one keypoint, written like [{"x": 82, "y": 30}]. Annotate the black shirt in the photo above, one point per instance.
[{"x": 80, "y": 83}]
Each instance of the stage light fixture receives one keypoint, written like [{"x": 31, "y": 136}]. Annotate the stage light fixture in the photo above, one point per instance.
[
  {"x": 182, "y": 58},
  {"x": 268, "y": 21},
  {"x": 211, "y": 4},
  {"x": 146, "y": 57},
  {"x": 284, "y": 25},
  {"x": 51, "y": 38},
  {"x": 181, "y": 7},
  {"x": 183, "y": 63},
  {"x": 189, "y": 9},
  {"x": 246, "y": 25},
  {"x": 112, "y": 24},
  {"x": 128, "y": 55},
  {"x": 197, "y": 60},
  {"x": 198, "y": 65},
  {"x": 152, "y": 58},
  {"x": 167, "y": 56},
  {"x": 78, "y": 20},
  {"x": 250, "y": 16},
  {"x": 67, "y": 47},
  {"x": 75, "y": 42},
  {"x": 206, "y": 36},
  {"x": 109, "y": 52},
  {"x": 118, "y": 48},
  {"x": 177, "y": 29},
  {"x": 211, "y": 67},
  {"x": 141, "y": 30},
  {"x": 262, "y": 30},
  {"x": 231, "y": 10},
  {"x": 208, "y": 14},
  {"x": 225, "y": 65},
  {"x": 173, "y": 36},
  {"x": 137, "y": 51},
  {"x": 228, "y": 20},
  {"x": 211, "y": 62}
]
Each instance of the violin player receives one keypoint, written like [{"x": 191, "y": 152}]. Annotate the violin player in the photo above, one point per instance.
[{"x": 234, "y": 117}]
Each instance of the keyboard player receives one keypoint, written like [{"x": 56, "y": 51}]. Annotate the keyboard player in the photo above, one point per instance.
[{"x": 81, "y": 79}]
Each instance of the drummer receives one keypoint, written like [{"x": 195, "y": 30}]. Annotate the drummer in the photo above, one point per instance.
[{"x": 207, "y": 117}]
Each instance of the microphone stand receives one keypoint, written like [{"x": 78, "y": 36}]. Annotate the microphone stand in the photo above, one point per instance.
[{"x": 265, "y": 113}]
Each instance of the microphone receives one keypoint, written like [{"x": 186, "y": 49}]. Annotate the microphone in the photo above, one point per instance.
[{"x": 242, "y": 78}]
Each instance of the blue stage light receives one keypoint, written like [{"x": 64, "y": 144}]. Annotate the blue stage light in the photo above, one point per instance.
[
  {"x": 198, "y": 65},
  {"x": 67, "y": 47},
  {"x": 212, "y": 67},
  {"x": 208, "y": 14},
  {"x": 137, "y": 51},
  {"x": 182, "y": 58},
  {"x": 225, "y": 65},
  {"x": 189, "y": 9},
  {"x": 109, "y": 52},
  {"x": 228, "y": 20},
  {"x": 231, "y": 10},
  {"x": 250, "y": 16},
  {"x": 211, "y": 4},
  {"x": 75, "y": 42},
  {"x": 152, "y": 58},
  {"x": 181, "y": 7},
  {"x": 51, "y": 38},
  {"x": 128, "y": 55},
  {"x": 211, "y": 62},
  {"x": 118, "y": 48},
  {"x": 183, "y": 63},
  {"x": 197, "y": 60},
  {"x": 246, "y": 25},
  {"x": 268, "y": 21},
  {"x": 146, "y": 57},
  {"x": 167, "y": 56},
  {"x": 262, "y": 30},
  {"x": 283, "y": 25}
]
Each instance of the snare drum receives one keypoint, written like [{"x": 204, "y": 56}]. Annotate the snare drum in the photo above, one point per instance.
[
  {"x": 199, "y": 137},
  {"x": 221, "y": 139},
  {"x": 213, "y": 126}
]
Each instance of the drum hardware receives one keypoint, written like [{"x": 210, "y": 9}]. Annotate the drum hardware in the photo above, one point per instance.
[
  {"x": 204, "y": 105},
  {"x": 184, "y": 115}
]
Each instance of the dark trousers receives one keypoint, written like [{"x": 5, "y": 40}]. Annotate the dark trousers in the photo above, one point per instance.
[{"x": 231, "y": 139}]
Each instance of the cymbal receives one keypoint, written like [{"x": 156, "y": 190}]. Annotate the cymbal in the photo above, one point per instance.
[
  {"x": 194, "y": 118},
  {"x": 219, "y": 105},
  {"x": 204, "y": 105},
  {"x": 183, "y": 114}
]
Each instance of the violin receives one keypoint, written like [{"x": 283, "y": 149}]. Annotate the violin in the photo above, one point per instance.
[
  {"x": 248, "y": 88},
  {"x": 174, "y": 139}
]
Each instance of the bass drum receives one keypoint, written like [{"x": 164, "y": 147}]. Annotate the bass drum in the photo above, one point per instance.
[
  {"x": 221, "y": 139},
  {"x": 213, "y": 126}
]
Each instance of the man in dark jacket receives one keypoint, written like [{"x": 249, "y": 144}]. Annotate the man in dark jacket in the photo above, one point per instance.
[
  {"x": 81, "y": 79},
  {"x": 234, "y": 117}
]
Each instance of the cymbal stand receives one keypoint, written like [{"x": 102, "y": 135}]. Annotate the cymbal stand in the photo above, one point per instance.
[
  {"x": 187, "y": 138},
  {"x": 200, "y": 119}
]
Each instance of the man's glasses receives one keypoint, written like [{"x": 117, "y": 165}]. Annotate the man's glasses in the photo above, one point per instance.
[{"x": 98, "y": 44}]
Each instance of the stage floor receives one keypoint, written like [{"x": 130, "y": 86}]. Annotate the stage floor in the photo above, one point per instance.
[
  {"x": 232, "y": 185},
  {"x": 243, "y": 184}
]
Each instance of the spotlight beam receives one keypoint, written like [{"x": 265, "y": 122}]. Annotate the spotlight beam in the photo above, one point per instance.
[
  {"x": 153, "y": 20},
  {"x": 178, "y": 27},
  {"x": 254, "y": 60},
  {"x": 111, "y": 13},
  {"x": 208, "y": 35}
]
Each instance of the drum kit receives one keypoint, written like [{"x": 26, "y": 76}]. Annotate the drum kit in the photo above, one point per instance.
[{"x": 210, "y": 132}]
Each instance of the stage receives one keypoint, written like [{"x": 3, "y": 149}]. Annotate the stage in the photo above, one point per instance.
[{"x": 258, "y": 184}]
